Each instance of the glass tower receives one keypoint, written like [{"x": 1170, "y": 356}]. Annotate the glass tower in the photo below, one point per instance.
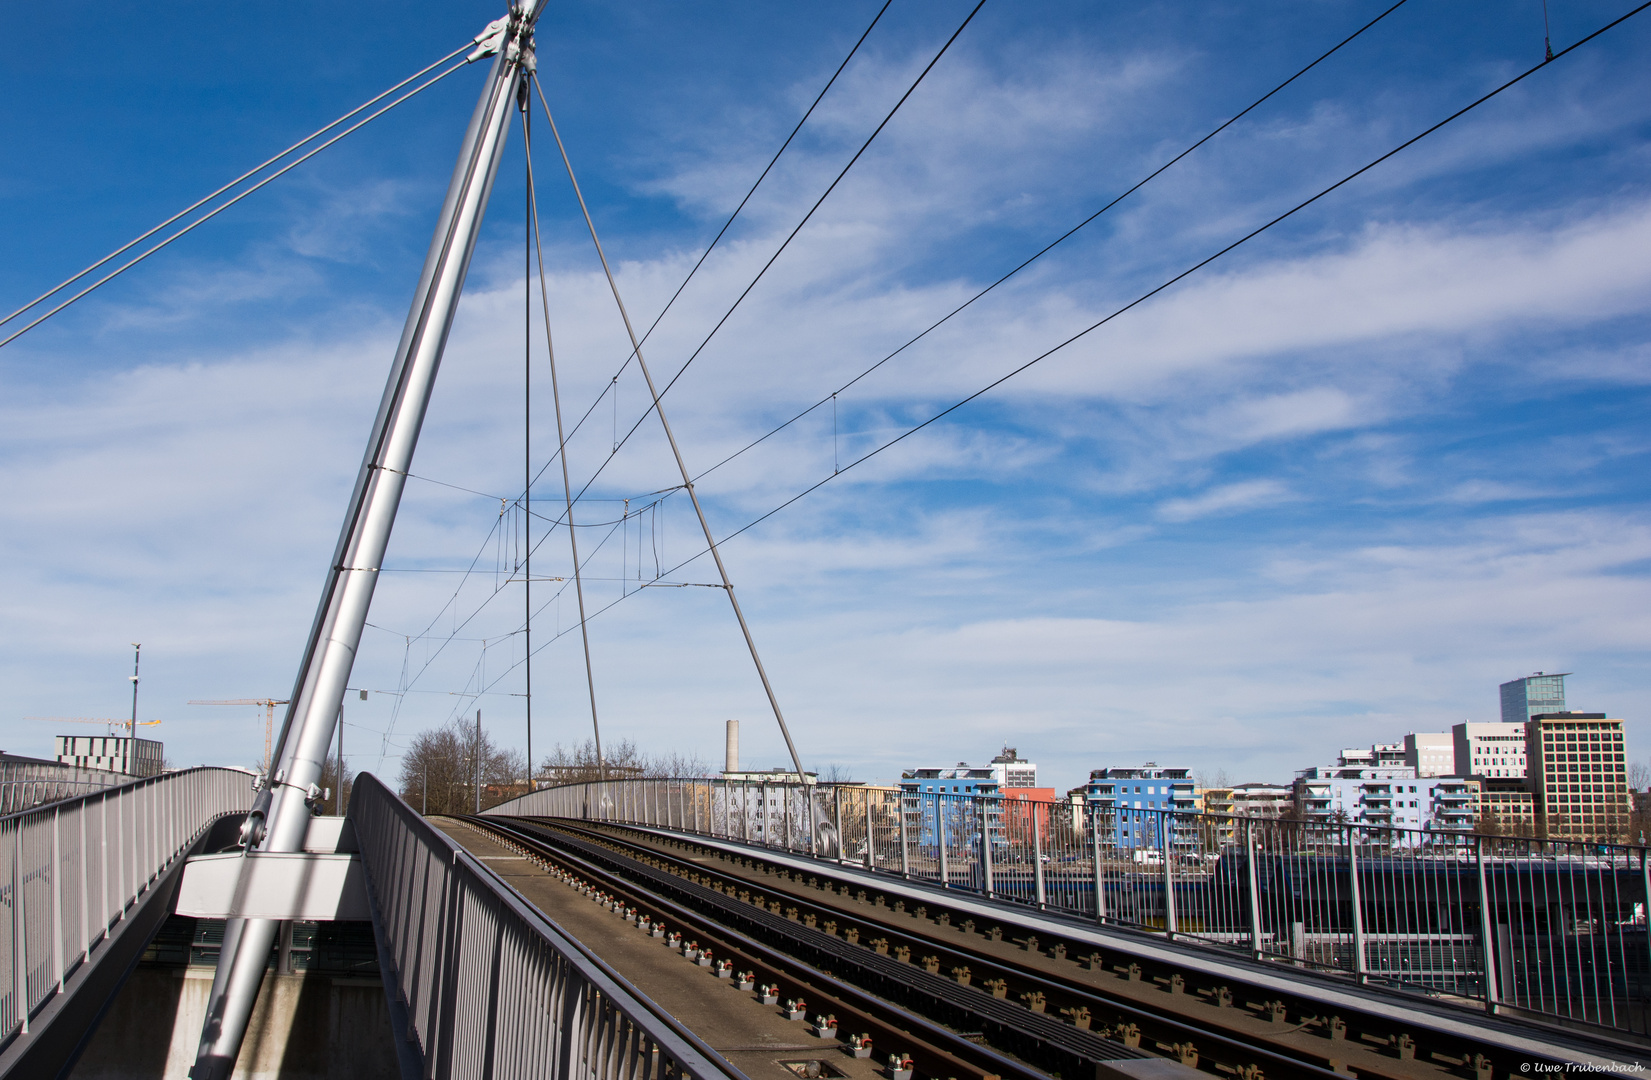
[{"x": 1533, "y": 695}]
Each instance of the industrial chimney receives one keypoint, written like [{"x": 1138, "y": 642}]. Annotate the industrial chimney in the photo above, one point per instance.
[{"x": 731, "y": 764}]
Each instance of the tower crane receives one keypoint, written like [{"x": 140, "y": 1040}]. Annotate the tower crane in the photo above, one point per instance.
[{"x": 269, "y": 717}]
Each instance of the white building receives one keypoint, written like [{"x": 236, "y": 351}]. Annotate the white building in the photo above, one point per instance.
[
  {"x": 1013, "y": 771},
  {"x": 1379, "y": 756},
  {"x": 1489, "y": 750},
  {"x": 114, "y": 753},
  {"x": 1389, "y": 796},
  {"x": 1431, "y": 754}
]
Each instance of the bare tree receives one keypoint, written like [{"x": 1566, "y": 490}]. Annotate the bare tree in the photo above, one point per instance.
[
  {"x": 338, "y": 800},
  {"x": 439, "y": 772},
  {"x": 834, "y": 773},
  {"x": 577, "y": 763},
  {"x": 1639, "y": 775}
]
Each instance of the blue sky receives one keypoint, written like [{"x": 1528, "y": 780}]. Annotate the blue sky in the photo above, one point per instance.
[{"x": 1331, "y": 489}]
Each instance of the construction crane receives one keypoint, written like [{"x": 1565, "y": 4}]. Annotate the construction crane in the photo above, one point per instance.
[
  {"x": 89, "y": 720},
  {"x": 269, "y": 718}
]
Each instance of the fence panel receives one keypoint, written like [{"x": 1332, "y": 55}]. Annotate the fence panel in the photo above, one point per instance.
[
  {"x": 57, "y": 897},
  {"x": 491, "y": 987}
]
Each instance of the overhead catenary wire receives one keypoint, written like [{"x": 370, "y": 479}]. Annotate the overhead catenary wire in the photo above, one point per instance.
[
  {"x": 1047, "y": 248},
  {"x": 215, "y": 211},
  {"x": 792, "y": 235},
  {"x": 1170, "y": 282}
]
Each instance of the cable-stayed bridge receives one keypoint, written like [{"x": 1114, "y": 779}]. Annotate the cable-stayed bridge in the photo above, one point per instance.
[{"x": 832, "y": 930}]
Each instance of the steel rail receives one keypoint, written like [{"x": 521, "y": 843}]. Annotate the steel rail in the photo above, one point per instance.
[
  {"x": 1038, "y": 1036},
  {"x": 934, "y": 1048}
]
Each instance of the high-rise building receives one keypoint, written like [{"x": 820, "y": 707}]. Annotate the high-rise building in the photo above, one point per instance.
[
  {"x": 1489, "y": 751},
  {"x": 1578, "y": 775},
  {"x": 1539, "y": 693}
]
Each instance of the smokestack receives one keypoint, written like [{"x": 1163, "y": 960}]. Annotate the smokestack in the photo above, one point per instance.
[{"x": 731, "y": 763}]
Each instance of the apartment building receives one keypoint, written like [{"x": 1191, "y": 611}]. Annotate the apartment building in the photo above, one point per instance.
[
  {"x": 1392, "y": 796},
  {"x": 1115, "y": 795},
  {"x": 1490, "y": 751}
]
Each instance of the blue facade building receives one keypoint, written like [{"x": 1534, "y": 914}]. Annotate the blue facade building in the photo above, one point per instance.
[{"x": 1126, "y": 805}]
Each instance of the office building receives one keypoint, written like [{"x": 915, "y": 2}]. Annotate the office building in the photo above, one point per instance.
[
  {"x": 114, "y": 753},
  {"x": 1578, "y": 775},
  {"x": 1490, "y": 751},
  {"x": 1012, "y": 771},
  {"x": 1430, "y": 753},
  {"x": 1539, "y": 693}
]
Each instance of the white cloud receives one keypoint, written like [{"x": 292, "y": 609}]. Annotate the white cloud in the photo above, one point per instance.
[{"x": 1227, "y": 499}]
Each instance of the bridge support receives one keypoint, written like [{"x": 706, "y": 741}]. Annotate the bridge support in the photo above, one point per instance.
[{"x": 280, "y": 818}]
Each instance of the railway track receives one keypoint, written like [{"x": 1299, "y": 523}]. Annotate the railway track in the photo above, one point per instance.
[
  {"x": 1040, "y": 1023},
  {"x": 1375, "y": 1033}
]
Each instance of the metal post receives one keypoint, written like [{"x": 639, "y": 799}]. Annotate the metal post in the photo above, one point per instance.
[
  {"x": 85, "y": 872},
  {"x": 478, "y": 761},
  {"x": 1255, "y": 889},
  {"x": 808, "y": 801},
  {"x": 986, "y": 845},
  {"x": 1164, "y": 825},
  {"x": 1095, "y": 863},
  {"x": 837, "y": 820},
  {"x": 767, "y": 826},
  {"x": 905, "y": 847},
  {"x": 338, "y": 803},
  {"x": 940, "y": 838},
  {"x": 280, "y": 817},
  {"x": 1037, "y": 856},
  {"x": 1359, "y": 962},
  {"x": 785, "y": 811},
  {"x": 1486, "y": 941},
  {"x": 57, "y": 899},
  {"x": 19, "y": 933},
  {"x": 424, "y": 791}
]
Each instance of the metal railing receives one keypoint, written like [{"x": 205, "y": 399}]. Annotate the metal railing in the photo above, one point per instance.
[
  {"x": 1552, "y": 928},
  {"x": 70, "y": 871},
  {"x": 27, "y": 784},
  {"x": 490, "y": 987}
]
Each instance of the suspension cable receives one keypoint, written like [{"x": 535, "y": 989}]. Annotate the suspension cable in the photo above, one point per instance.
[
  {"x": 561, "y": 439},
  {"x": 670, "y": 437},
  {"x": 215, "y": 211}
]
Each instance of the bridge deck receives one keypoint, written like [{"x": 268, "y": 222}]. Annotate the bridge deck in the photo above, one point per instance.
[{"x": 753, "y": 1036}]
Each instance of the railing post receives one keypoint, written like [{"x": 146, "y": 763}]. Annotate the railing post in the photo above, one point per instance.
[
  {"x": 57, "y": 898},
  {"x": 1037, "y": 855},
  {"x": 905, "y": 849},
  {"x": 808, "y": 800},
  {"x": 940, "y": 836},
  {"x": 1165, "y": 824},
  {"x": 837, "y": 819},
  {"x": 785, "y": 814},
  {"x": 1255, "y": 889},
  {"x": 1095, "y": 862},
  {"x": 1359, "y": 963},
  {"x": 85, "y": 872},
  {"x": 19, "y": 935},
  {"x": 985, "y": 845},
  {"x": 1487, "y": 941}
]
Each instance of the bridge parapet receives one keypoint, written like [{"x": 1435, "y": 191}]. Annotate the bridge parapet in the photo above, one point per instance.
[
  {"x": 72, "y": 871},
  {"x": 478, "y": 978}
]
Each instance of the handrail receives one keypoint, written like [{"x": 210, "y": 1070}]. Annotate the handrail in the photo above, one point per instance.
[
  {"x": 72, "y": 869},
  {"x": 483, "y": 977},
  {"x": 27, "y": 784}
]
